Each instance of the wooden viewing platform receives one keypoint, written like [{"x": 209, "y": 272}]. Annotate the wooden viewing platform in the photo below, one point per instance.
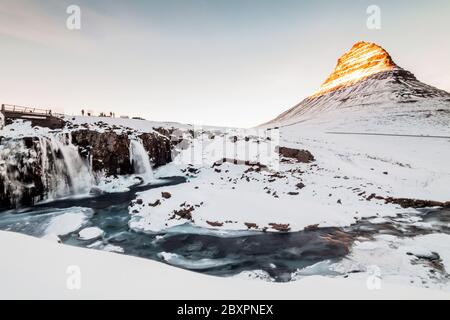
[{"x": 38, "y": 117}]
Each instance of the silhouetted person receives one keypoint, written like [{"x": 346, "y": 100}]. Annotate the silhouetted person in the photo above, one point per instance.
[{"x": 82, "y": 112}]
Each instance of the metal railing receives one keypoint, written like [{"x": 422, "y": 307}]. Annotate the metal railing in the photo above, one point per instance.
[{"x": 30, "y": 110}]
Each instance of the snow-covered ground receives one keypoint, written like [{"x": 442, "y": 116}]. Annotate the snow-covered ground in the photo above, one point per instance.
[
  {"x": 420, "y": 261},
  {"x": 330, "y": 191},
  {"x": 33, "y": 268},
  {"x": 268, "y": 193}
]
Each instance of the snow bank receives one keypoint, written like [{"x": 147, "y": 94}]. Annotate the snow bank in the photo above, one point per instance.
[
  {"x": 420, "y": 261},
  {"x": 33, "y": 268},
  {"x": 69, "y": 222}
]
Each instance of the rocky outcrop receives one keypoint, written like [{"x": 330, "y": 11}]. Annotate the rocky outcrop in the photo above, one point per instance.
[
  {"x": 417, "y": 203},
  {"x": 159, "y": 148},
  {"x": 410, "y": 203},
  {"x": 303, "y": 156},
  {"x": 280, "y": 227},
  {"x": 108, "y": 151}
]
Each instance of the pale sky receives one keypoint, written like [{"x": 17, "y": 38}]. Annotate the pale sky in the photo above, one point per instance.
[{"x": 218, "y": 62}]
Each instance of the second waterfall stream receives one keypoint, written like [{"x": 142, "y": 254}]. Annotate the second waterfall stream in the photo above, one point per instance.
[{"x": 140, "y": 160}]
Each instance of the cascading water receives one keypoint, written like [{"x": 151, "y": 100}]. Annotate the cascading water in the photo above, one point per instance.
[
  {"x": 49, "y": 167},
  {"x": 140, "y": 160},
  {"x": 42, "y": 167},
  {"x": 66, "y": 173}
]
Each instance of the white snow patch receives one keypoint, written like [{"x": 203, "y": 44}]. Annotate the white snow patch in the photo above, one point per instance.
[
  {"x": 91, "y": 233},
  {"x": 24, "y": 274},
  {"x": 198, "y": 264},
  {"x": 52, "y": 237},
  {"x": 100, "y": 245},
  {"x": 254, "y": 275},
  {"x": 69, "y": 222}
]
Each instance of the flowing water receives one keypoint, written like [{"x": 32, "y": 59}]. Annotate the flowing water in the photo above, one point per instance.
[
  {"x": 140, "y": 160},
  {"x": 63, "y": 171},
  {"x": 213, "y": 252},
  {"x": 66, "y": 173}
]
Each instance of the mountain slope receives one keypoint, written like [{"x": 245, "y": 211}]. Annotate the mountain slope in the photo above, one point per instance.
[{"x": 364, "y": 76}]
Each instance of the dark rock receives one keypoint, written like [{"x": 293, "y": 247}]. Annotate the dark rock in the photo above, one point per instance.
[
  {"x": 251, "y": 225},
  {"x": 433, "y": 256},
  {"x": 156, "y": 203},
  {"x": 303, "y": 156},
  {"x": 312, "y": 227},
  {"x": 214, "y": 223},
  {"x": 166, "y": 195},
  {"x": 95, "y": 191},
  {"x": 159, "y": 148},
  {"x": 139, "y": 180},
  {"x": 415, "y": 203},
  {"x": 280, "y": 227},
  {"x": 185, "y": 213},
  {"x": 109, "y": 151},
  {"x": 300, "y": 185},
  {"x": 28, "y": 141},
  {"x": 193, "y": 170},
  {"x": 410, "y": 203}
]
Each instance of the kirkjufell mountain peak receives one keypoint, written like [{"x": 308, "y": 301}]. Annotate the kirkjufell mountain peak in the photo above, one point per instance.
[
  {"x": 365, "y": 76},
  {"x": 364, "y": 59}
]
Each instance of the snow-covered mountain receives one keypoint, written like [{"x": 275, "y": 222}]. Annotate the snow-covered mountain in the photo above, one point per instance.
[{"x": 366, "y": 76}]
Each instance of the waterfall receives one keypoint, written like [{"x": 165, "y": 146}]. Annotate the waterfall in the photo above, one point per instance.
[
  {"x": 140, "y": 160},
  {"x": 49, "y": 167},
  {"x": 42, "y": 167},
  {"x": 66, "y": 173}
]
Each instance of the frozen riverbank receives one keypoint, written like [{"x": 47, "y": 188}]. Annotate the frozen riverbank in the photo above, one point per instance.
[{"x": 33, "y": 268}]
